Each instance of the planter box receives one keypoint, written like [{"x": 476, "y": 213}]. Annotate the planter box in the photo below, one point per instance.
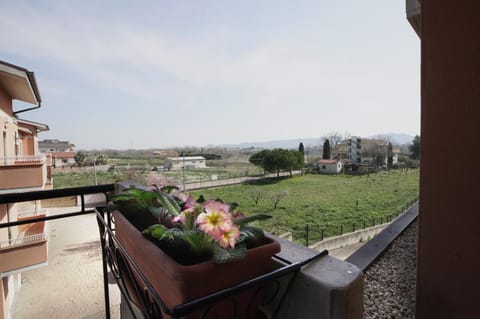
[{"x": 177, "y": 284}]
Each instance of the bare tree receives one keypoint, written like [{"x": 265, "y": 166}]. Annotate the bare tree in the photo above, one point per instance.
[
  {"x": 256, "y": 195},
  {"x": 275, "y": 198},
  {"x": 334, "y": 138}
]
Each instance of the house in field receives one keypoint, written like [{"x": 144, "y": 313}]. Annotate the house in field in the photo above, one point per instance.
[
  {"x": 187, "y": 162},
  {"x": 329, "y": 166},
  {"x": 63, "y": 159},
  {"x": 22, "y": 168}
]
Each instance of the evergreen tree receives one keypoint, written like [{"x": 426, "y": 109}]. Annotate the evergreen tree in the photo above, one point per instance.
[
  {"x": 326, "y": 149},
  {"x": 390, "y": 155},
  {"x": 415, "y": 148},
  {"x": 301, "y": 149}
]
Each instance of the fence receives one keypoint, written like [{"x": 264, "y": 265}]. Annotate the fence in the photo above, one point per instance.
[{"x": 317, "y": 233}]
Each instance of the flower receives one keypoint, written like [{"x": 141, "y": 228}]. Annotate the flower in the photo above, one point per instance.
[
  {"x": 189, "y": 230},
  {"x": 215, "y": 220},
  {"x": 229, "y": 238}
]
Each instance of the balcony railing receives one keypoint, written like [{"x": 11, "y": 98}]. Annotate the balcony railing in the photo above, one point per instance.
[
  {"x": 325, "y": 276},
  {"x": 23, "y": 160},
  {"x": 31, "y": 239}
]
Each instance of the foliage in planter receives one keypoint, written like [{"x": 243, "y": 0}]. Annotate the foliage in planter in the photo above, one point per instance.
[{"x": 190, "y": 231}]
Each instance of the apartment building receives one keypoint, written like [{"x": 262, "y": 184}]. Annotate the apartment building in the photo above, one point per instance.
[{"x": 22, "y": 168}]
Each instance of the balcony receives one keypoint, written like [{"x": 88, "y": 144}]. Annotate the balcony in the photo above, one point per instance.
[
  {"x": 23, "y": 172},
  {"x": 323, "y": 287},
  {"x": 28, "y": 250}
]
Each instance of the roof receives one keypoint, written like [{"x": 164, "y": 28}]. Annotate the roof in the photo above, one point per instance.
[
  {"x": 187, "y": 158},
  {"x": 19, "y": 83},
  {"x": 64, "y": 154},
  {"x": 327, "y": 161},
  {"x": 55, "y": 144},
  {"x": 39, "y": 126}
]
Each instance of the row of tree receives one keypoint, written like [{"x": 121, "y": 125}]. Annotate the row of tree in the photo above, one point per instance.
[{"x": 276, "y": 160}]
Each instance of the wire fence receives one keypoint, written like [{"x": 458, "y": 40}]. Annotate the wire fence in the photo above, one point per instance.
[{"x": 314, "y": 233}]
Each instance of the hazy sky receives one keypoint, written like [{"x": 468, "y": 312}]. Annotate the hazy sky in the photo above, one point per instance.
[{"x": 173, "y": 73}]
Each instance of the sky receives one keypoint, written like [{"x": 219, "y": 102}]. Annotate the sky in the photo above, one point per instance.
[{"x": 158, "y": 74}]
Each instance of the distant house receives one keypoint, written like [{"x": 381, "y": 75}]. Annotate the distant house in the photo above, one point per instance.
[
  {"x": 63, "y": 159},
  {"x": 52, "y": 146},
  {"x": 189, "y": 162},
  {"x": 327, "y": 166}
]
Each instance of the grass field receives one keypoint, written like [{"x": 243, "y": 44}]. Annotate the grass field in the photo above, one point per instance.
[
  {"x": 324, "y": 201},
  {"x": 222, "y": 169}
]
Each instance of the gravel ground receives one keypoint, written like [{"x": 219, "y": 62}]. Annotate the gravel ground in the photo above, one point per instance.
[{"x": 390, "y": 282}]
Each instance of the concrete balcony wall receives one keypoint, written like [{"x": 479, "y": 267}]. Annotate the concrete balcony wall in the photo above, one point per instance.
[
  {"x": 15, "y": 258},
  {"x": 23, "y": 175}
]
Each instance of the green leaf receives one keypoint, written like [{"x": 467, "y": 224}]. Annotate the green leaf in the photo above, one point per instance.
[
  {"x": 168, "y": 202},
  {"x": 156, "y": 231},
  {"x": 168, "y": 189},
  {"x": 221, "y": 255},
  {"x": 246, "y": 220}
]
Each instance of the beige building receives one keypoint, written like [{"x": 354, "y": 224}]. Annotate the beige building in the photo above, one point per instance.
[
  {"x": 189, "y": 162},
  {"x": 22, "y": 168}
]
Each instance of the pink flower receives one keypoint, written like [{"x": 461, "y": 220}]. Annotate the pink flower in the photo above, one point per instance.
[
  {"x": 215, "y": 220},
  {"x": 238, "y": 215},
  {"x": 229, "y": 238},
  {"x": 189, "y": 203},
  {"x": 180, "y": 218}
]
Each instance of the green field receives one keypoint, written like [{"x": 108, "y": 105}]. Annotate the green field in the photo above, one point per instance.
[
  {"x": 222, "y": 169},
  {"x": 324, "y": 201}
]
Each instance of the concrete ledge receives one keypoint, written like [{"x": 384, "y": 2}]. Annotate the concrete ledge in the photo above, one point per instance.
[
  {"x": 373, "y": 249},
  {"x": 362, "y": 235},
  {"x": 325, "y": 288}
]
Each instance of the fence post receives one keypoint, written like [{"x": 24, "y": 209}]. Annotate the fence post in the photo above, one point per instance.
[
  {"x": 381, "y": 220},
  {"x": 341, "y": 229},
  {"x": 364, "y": 224},
  {"x": 306, "y": 234},
  {"x": 353, "y": 227},
  {"x": 321, "y": 234}
]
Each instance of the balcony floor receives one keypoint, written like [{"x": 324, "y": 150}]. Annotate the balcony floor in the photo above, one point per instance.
[{"x": 71, "y": 286}]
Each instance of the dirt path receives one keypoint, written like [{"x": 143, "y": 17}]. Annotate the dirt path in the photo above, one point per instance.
[{"x": 71, "y": 286}]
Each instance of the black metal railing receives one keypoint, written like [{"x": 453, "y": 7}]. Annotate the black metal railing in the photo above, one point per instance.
[
  {"x": 12, "y": 198},
  {"x": 144, "y": 301}
]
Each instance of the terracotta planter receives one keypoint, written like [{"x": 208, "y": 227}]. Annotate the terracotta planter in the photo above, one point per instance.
[{"x": 177, "y": 284}]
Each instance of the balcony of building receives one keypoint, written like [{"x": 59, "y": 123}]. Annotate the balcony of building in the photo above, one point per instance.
[
  {"x": 23, "y": 172},
  {"x": 323, "y": 287}
]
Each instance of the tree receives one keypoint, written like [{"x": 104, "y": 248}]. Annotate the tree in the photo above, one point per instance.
[
  {"x": 415, "y": 148},
  {"x": 390, "y": 155},
  {"x": 326, "y": 149},
  {"x": 101, "y": 159},
  {"x": 301, "y": 149},
  {"x": 80, "y": 158},
  {"x": 275, "y": 198},
  {"x": 334, "y": 138},
  {"x": 278, "y": 159},
  {"x": 258, "y": 158}
]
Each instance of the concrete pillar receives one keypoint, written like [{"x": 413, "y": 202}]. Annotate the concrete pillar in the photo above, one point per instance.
[{"x": 448, "y": 255}]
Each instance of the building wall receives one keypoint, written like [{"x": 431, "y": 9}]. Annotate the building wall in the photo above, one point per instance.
[
  {"x": 448, "y": 259},
  {"x": 5, "y": 102},
  {"x": 330, "y": 168}
]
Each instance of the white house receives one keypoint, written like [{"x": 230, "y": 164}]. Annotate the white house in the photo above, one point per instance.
[
  {"x": 327, "y": 166},
  {"x": 189, "y": 162}
]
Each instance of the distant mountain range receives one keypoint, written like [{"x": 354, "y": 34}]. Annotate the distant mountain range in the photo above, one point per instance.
[{"x": 395, "y": 138}]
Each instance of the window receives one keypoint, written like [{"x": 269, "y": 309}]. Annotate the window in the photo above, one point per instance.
[{"x": 324, "y": 166}]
